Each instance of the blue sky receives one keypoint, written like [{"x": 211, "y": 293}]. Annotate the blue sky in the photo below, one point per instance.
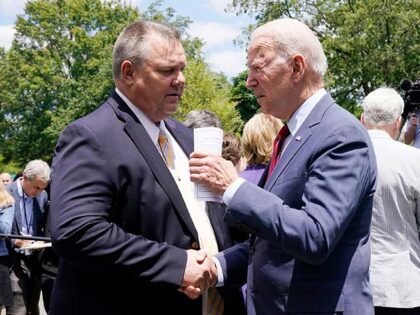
[{"x": 211, "y": 23}]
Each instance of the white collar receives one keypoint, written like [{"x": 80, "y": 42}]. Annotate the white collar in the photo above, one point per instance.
[
  {"x": 19, "y": 187},
  {"x": 379, "y": 134},
  {"x": 151, "y": 128},
  {"x": 300, "y": 115}
]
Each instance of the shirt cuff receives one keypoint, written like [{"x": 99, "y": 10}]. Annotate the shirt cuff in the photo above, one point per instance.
[
  {"x": 220, "y": 278},
  {"x": 231, "y": 190}
]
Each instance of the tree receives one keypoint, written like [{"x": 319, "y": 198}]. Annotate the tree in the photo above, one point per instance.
[
  {"x": 208, "y": 90},
  {"x": 59, "y": 69},
  {"x": 367, "y": 43},
  {"x": 246, "y": 102}
]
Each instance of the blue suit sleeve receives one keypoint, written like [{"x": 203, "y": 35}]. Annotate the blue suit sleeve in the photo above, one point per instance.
[{"x": 338, "y": 176}]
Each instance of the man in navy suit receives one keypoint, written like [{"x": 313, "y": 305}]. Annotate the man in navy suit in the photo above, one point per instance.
[
  {"x": 123, "y": 217},
  {"x": 30, "y": 217},
  {"x": 310, "y": 217}
]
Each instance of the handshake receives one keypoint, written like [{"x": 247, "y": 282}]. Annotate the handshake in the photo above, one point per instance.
[{"x": 200, "y": 274}]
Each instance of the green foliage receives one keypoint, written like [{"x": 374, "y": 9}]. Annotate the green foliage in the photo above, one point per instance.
[
  {"x": 59, "y": 69},
  {"x": 368, "y": 43},
  {"x": 208, "y": 90},
  {"x": 246, "y": 102},
  {"x": 8, "y": 167}
]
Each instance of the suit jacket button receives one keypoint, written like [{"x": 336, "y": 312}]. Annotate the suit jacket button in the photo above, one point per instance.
[
  {"x": 252, "y": 250},
  {"x": 195, "y": 246}
]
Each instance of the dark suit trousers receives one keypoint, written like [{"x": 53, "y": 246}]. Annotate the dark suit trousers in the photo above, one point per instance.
[{"x": 26, "y": 284}]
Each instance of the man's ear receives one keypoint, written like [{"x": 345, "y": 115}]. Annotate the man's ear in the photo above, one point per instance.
[
  {"x": 298, "y": 65},
  {"x": 127, "y": 72},
  {"x": 397, "y": 123},
  {"x": 362, "y": 119}
]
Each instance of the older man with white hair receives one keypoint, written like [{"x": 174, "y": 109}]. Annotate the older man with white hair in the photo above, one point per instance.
[
  {"x": 395, "y": 265},
  {"x": 310, "y": 217}
]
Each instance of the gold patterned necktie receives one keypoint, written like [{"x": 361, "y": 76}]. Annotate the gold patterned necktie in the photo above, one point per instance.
[
  {"x": 215, "y": 304},
  {"x": 166, "y": 148}
]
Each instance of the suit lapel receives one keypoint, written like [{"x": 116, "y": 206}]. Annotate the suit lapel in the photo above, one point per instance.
[
  {"x": 147, "y": 149},
  {"x": 292, "y": 149},
  {"x": 36, "y": 212},
  {"x": 184, "y": 139},
  {"x": 214, "y": 210},
  {"x": 302, "y": 135}
]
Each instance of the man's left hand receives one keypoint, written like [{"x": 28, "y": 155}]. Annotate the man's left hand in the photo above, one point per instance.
[{"x": 212, "y": 171}]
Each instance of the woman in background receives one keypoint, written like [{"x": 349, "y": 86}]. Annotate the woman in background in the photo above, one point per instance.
[
  {"x": 6, "y": 219},
  {"x": 257, "y": 144}
]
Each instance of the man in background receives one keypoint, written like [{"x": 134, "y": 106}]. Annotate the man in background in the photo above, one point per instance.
[
  {"x": 30, "y": 203},
  {"x": 411, "y": 129},
  {"x": 395, "y": 264},
  {"x": 202, "y": 118}
]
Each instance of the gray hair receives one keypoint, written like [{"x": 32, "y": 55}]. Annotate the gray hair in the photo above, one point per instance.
[
  {"x": 202, "y": 118},
  {"x": 39, "y": 169},
  {"x": 382, "y": 106},
  {"x": 133, "y": 42},
  {"x": 291, "y": 37}
]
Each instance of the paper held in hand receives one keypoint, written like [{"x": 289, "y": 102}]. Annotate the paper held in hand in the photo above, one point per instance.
[
  {"x": 207, "y": 140},
  {"x": 36, "y": 245}
]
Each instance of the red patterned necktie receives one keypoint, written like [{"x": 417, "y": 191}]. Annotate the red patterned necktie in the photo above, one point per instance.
[{"x": 277, "y": 148}]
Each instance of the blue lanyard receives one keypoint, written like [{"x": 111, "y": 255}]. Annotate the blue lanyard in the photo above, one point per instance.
[{"x": 29, "y": 223}]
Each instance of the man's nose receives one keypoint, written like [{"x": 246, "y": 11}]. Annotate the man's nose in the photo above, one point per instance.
[
  {"x": 179, "y": 80},
  {"x": 250, "y": 81}
]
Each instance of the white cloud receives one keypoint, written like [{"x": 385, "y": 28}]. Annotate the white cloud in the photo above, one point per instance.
[
  {"x": 218, "y": 5},
  {"x": 6, "y": 35},
  {"x": 10, "y": 8},
  {"x": 230, "y": 62},
  {"x": 214, "y": 34}
]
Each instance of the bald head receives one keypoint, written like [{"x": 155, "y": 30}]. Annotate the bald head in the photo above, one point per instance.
[{"x": 291, "y": 37}]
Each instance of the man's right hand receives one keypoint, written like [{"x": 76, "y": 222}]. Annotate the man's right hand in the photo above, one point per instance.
[
  {"x": 18, "y": 243},
  {"x": 200, "y": 274}
]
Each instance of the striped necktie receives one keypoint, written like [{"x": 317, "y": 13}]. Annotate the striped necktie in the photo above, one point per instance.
[
  {"x": 215, "y": 303},
  {"x": 166, "y": 148}
]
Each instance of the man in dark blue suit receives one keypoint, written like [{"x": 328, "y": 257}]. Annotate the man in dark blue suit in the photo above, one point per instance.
[
  {"x": 30, "y": 205},
  {"x": 123, "y": 217},
  {"x": 310, "y": 217}
]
